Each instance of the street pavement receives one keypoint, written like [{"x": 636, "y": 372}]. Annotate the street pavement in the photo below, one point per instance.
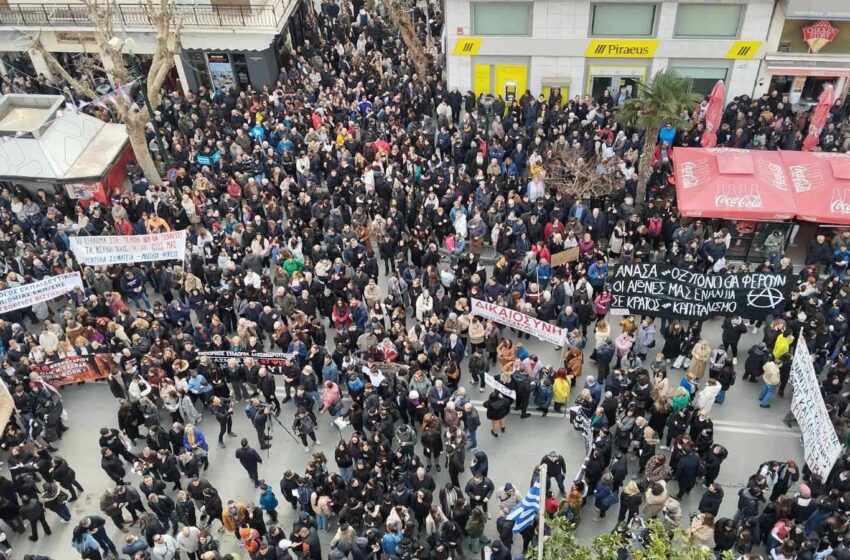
[{"x": 751, "y": 434}]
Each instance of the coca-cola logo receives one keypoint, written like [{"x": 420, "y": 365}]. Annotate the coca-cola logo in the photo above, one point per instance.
[
  {"x": 839, "y": 207},
  {"x": 689, "y": 175},
  {"x": 744, "y": 201},
  {"x": 839, "y": 204},
  {"x": 798, "y": 177},
  {"x": 772, "y": 174}
]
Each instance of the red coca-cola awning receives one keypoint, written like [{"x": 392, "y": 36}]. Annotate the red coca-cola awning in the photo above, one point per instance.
[
  {"x": 733, "y": 184},
  {"x": 821, "y": 185}
]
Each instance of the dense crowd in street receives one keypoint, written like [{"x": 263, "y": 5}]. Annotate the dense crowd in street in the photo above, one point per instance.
[{"x": 355, "y": 211}]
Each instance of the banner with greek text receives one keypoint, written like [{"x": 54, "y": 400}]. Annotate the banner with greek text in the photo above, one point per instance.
[
  {"x": 660, "y": 290},
  {"x": 30, "y": 294},
  {"x": 128, "y": 249},
  {"x": 499, "y": 386},
  {"x": 546, "y": 332},
  {"x": 272, "y": 361},
  {"x": 76, "y": 369},
  {"x": 821, "y": 445}
]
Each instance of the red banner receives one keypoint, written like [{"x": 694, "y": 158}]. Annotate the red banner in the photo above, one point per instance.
[{"x": 76, "y": 369}]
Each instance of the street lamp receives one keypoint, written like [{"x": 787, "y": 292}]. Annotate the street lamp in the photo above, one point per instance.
[
  {"x": 128, "y": 45},
  {"x": 486, "y": 102}
]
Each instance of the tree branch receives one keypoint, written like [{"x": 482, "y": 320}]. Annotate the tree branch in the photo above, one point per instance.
[{"x": 80, "y": 86}]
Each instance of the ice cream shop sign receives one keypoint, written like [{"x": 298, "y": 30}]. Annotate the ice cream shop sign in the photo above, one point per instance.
[{"x": 818, "y": 35}]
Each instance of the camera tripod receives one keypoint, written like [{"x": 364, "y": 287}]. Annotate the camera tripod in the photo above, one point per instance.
[{"x": 270, "y": 430}]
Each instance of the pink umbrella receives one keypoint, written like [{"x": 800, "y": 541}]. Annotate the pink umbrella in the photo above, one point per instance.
[
  {"x": 825, "y": 101},
  {"x": 713, "y": 114}
]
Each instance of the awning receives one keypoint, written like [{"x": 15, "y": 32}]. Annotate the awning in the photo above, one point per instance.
[
  {"x": 732, "y": 184},
  {"x": 821, "y": 183}
]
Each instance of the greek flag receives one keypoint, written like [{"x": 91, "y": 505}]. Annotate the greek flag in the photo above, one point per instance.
[{"x": 524, "y": 513}]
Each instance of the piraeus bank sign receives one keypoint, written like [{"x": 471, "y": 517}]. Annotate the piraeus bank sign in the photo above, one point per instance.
[{"x": 621, "y": 48}]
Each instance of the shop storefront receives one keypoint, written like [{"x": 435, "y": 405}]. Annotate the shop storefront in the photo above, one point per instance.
[
  {"x": 226, "y": 69},
  {"x": 810, "y": 54}
]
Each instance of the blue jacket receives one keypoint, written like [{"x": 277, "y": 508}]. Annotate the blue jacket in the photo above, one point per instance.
[
  {"x": 200, "y": 440},
  {"x": 268, "y": 501}
]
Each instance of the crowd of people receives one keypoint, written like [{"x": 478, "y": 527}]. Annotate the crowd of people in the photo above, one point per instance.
[{"x": 353, "y": 212}]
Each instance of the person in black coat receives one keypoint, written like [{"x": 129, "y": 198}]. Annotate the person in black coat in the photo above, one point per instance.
[
  {"x": 112, "y": 466},
  {"x": 715, "y": 455},
  {"x": 757, "y": 356},
  {"x": 711, "y": 500},
  {"x": 250, "y": 459},
  {"x": 733, "y": 329},
  {"x": 65, "y": 476},
  {"x": 498, "y": 407},
  {"x": 33, "y": 511},
  {"x": 725, "y": 534},
  {"x": 686, "y": 473},
  {"x": 10, "y": 508}
]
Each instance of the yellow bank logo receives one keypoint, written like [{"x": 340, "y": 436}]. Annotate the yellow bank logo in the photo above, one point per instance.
[
  {"x": 467, "y": 46},
  {"x": 621, "y": 48},
  {"x": 743, "y": 49}
]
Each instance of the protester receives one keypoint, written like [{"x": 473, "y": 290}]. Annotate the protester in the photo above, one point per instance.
[{"x": 289, "y": 197}]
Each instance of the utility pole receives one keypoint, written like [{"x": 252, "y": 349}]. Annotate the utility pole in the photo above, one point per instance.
[{"x": 541, "y": 515}]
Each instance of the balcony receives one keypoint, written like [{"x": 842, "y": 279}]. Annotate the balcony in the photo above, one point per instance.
[{"x": 28, "y": 15}]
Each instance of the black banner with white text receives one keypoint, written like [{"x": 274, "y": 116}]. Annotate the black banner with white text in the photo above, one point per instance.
[{"x": 667, "y": 291}]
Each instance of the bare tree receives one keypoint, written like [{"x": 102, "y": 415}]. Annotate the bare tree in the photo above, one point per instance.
[
  {"x": 162, "y": 16},
  {"x": 577, "y": 177},
  {"x": 399, "y": 14}
]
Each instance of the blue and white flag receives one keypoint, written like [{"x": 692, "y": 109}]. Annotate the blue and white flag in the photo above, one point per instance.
[{"x": 524, "y": 513}]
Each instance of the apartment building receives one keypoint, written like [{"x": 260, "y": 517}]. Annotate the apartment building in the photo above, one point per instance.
[
  {"x": 587, "y": 47},
  {"x": 225, "y": 42}
]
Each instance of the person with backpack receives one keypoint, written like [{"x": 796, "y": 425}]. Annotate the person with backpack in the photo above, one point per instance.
[{"x": 305, "y": 426}]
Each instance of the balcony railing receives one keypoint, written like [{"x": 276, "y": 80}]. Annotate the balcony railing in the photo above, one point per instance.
[{"x": 75, "y": 15}]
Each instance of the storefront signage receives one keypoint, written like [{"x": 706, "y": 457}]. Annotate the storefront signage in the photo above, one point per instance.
[
  {"x": 666, "y": 291},
  {"x": 622, "y": 48},
  {"x": 743, "y": 50},
  {"x": 819, "y": 35},
  {"x": 467, "y": 46},
  {"x": 76, "y": 37}
]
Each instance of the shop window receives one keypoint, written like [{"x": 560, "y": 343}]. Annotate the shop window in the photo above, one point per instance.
[
  {"x": 704, "y": 20},
  {"x": 623, "y": 20},
  {"x": 702, "y": 79},
  {"x": 814, "y": 87},
  {"x": 501, "y": 19}
]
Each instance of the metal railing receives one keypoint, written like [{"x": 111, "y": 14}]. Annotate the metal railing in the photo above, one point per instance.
[{"x": 132, "y": 15}]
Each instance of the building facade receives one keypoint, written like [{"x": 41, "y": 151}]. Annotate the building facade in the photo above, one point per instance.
[
  {"x": 808, "y": 47},
  {"x": 586, "y": 47},
  {"x": 225, "y": 42}
]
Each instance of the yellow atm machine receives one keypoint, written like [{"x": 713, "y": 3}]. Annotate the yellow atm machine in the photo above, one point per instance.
[
  {"x": 510, "y": 91},
  {"x": 508, "y": 80}
]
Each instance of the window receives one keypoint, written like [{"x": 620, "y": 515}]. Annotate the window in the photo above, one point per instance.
[
  {"x": 704, "y": 20},
  {"x": 623, "y": 20},
  {"x": 501, "y": 19},
  {"x": 703, "y": 78}
]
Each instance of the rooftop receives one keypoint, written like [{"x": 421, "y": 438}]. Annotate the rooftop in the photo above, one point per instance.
[{"x": 27, "y": 115}]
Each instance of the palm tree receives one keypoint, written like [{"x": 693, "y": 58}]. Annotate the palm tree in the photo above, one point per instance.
[{"x": 663, "y": 100}]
